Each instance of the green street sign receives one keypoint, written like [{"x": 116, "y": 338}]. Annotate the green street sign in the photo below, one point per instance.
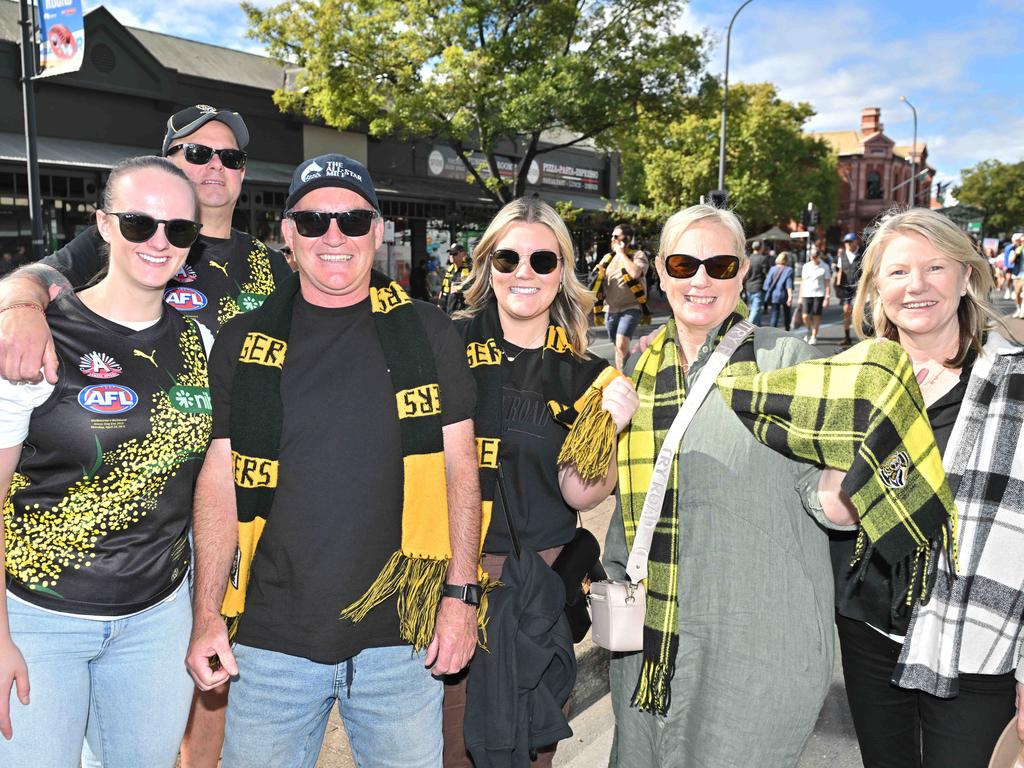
[{"x": 974, "y": 225}]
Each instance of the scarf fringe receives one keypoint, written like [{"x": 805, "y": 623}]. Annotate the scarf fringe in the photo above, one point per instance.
[
  {"x": 654, "y": 688},
  {"x": 417, "y": 582},
  {"x": 590, "y": 442}
]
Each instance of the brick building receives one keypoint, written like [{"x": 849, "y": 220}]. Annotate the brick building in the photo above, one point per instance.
[{"x": 874, "y": 174}]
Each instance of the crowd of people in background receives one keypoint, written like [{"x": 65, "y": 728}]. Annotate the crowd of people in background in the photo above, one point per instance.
[{"x": 242, "y": 486}]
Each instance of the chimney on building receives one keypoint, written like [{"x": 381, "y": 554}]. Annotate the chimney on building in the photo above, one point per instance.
[{"x": 870, "y": 121}]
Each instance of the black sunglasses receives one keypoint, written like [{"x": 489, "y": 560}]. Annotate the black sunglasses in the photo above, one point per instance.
[
  {"x": 682, "y": 266},
  {"x": 506, "y": 260},
  {"x": 355, "y": 223},
  {"x": 200, "y": 154},
  {"x": 139, "y": 227}
]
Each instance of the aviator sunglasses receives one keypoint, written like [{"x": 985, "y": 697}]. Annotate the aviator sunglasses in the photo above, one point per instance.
[
  {"x": 506, "y": 260},
  {"x": 355, "y": 223},
  {"x": 682, "y": 266},
  {"x": 139, "y": 227},
  {"x": 200, "y": 154}
]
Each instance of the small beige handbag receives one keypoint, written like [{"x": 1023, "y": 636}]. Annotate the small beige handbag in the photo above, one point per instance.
[{"x": 1009, "y": 751}]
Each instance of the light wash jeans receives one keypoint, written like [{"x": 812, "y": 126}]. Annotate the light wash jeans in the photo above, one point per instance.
[
  {"x": 278, "y": 708},
  {"x": 755, "y": 304},
  {"x": 120, "y": 684}
]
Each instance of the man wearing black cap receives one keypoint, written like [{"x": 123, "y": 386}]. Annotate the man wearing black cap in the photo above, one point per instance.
[
  {"x": 451, "y": 299},
  {"x": 227, "y": 271},
  {"x": 847, "y": 276},
  {"x": 337, "y": 517}
]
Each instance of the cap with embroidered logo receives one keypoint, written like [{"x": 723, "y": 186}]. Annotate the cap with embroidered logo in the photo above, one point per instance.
[{"x": 331, "y": 170}]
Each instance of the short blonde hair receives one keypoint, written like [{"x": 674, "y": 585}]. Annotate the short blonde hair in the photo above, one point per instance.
[
  {"x": 975, "y": 313},
  {"x": 682, "y": 220},
  {"x": 783, "y": 258},
  {"x": 573, "y": 302}
]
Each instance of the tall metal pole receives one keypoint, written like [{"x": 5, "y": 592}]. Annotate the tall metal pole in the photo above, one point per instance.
[
  {"x": 913, "y": 157},
  {"x": 28, "y": 71},
  {"x": 725, "y": 100}
]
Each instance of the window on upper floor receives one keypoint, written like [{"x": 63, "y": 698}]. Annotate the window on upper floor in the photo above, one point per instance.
[{"x": 874, "y": 191}]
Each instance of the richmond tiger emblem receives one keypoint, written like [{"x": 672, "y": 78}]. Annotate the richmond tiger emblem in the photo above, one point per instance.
[{"x": 893, "y": 471}]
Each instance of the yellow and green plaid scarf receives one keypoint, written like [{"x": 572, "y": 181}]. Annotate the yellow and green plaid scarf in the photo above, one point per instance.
[
  {"x": 597, "y": 286},
  {"x": 861, "y": 412},
  {"x": 417, "y": 571}
]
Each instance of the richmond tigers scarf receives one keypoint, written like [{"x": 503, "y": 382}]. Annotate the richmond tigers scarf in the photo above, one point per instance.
[
  {"x": 862, "y": 414},
  {"x": 572, "y": 388},
  {"x": 597, "y": 286},
  {"x": 416, "y": 572}
]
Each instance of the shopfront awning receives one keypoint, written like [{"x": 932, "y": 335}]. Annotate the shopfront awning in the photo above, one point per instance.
[{"x": 76, "y": 153}]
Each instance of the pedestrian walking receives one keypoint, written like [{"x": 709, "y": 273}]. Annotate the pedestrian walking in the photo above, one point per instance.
[
  {"x": 620, "y": 298},
  {"x": 753, "y": 283},
  {"x": 847, "y": 274},
  {"x": 815, "y": 287},
  {"x": 778, "y": 290},
  {"x": 456, "y": 277}
]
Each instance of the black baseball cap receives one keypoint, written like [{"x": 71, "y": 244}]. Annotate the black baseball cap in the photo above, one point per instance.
[
  {"x": 331, "y": 170},
  {"x": 191, "y": 119},
  {"x": 456, "y": 248}
]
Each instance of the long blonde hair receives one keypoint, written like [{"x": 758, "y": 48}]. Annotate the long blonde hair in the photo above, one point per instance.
[
  {"x": 573, "y": 302},
  {"x": 975, "y": 313}
]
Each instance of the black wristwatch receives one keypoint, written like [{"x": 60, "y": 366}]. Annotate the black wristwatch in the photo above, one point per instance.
[{"x": 467, "y": 593}]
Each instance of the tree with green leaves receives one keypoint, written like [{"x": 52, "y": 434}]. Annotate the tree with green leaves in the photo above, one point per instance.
[
  {"x": 507, "y": 79},
  {"x": 773, "y": 168},
  {"x": 997, "y": 189}
]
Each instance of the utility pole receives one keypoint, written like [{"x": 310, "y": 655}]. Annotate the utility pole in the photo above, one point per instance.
[
  {"x": 913, "y": 158},
  {"x": 725, "y": 107},
  {"x": 29, "y": 50}
]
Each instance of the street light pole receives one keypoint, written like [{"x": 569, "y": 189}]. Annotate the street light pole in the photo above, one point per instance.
[
  {"x": 725, "y": 100},
  {"x": 913, "y": 157},
  {"x": 29, "y": 51}
]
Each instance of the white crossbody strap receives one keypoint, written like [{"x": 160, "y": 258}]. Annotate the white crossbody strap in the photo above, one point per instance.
[{"x": 636, "y": 568}]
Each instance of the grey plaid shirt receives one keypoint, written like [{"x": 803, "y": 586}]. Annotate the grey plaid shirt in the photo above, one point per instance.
[{"x": 974, "y": 624}]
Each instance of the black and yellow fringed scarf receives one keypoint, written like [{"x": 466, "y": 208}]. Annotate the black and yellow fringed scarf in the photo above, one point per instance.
[
  {"x": 597, "y": 286},
  {"x": 862, "y": 412},
  {"x": 572, "y": 388},
  {"x": 417, "y": 571}
]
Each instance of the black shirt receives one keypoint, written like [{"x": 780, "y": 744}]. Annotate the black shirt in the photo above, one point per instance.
[
  {"x": 530, "y": 442},
  {"x": 756, "y": 273},
  {"x": 870, "y": 599},
  {"x": 336, "y": 516}
]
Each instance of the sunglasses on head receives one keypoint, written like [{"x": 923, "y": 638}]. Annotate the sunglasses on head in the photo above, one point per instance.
[
  {"x": 506, "y": 260},
  {"x": 682, "y": 266},
  {"x": 139, "y": 227},
  {"x": 355, "y": 223},
  {"x": 200, "y": 154}
]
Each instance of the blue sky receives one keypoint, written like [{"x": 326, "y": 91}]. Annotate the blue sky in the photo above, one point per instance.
[{"x": 960, "y": 63}]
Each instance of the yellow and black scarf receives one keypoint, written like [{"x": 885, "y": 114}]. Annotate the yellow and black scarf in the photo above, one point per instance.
[
  {"x": 860, "y": 412},
  {"x": 571, "y": 387},
  {"x": 597, "y": 286},
  {"x": 417, "y": 571},
  {"x": 453, "y": 285}
]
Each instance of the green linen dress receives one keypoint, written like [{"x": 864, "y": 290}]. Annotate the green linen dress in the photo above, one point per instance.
[{"x": 755, "y": 599}]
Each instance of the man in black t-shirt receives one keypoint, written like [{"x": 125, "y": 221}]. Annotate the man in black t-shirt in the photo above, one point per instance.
[
  {"x": 312, "y": 487},
  {"x": 227, "y": 272},
  {"x": 753, "y": 283},
  {"x": 847, "y": 275}
]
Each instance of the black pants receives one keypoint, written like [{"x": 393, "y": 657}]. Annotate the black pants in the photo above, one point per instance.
[{"x": 896, "y": 726}]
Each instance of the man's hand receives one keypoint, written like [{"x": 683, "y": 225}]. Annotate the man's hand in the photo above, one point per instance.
[
  {"x": 26, "y": 345},
  {"x": 13, "y": 671},
  {"x": 210, "y": 660},
  {"x": 641, "y": 344},
  {"x": 454, "y": 637},
  {"x": 1020, "y": 711}
]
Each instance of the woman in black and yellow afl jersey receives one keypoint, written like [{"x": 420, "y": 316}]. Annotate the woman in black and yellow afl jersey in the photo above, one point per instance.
[{"x": 98, "y": 473}]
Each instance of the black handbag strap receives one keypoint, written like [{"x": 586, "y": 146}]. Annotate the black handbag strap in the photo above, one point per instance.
[{"x": 512, "y": 531}]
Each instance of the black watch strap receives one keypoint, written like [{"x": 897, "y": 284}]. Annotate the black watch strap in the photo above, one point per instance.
[{"x": 467, "y": 593}]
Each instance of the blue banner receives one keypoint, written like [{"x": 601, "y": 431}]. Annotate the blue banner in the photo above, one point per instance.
[{"x": 61, "y": 36}]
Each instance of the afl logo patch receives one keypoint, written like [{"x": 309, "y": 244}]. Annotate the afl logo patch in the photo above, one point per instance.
[
  {"x": 185, "y": 299},
  {"x": 97, "y": 365},
  {"x": 107, "y": 399},
  {"x": 185, "y": 275}
]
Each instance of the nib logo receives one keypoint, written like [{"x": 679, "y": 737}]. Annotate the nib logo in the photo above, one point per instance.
[
  {"x": 98, "y": 365},
  {"x": 312, "y": 171}
]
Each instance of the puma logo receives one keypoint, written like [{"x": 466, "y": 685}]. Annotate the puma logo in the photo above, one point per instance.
[
  {"x": 151, "y": 356},
  {"x": 222, "y": 267}
]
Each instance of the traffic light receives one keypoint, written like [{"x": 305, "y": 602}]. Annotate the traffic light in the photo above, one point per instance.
[
  {"x": 805, "y": 218},
  {"x": 718, "y": 198},
  {"x": 815, "y": 217}
]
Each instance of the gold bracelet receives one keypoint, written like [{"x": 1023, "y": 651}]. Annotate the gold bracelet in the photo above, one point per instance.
[{"x": 20, "y": 304}]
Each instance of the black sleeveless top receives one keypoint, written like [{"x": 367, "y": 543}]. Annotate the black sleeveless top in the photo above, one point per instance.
[{"x": 96, "y": 520}]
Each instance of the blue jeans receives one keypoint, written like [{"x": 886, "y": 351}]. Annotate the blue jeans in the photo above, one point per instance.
[
  {"x": 756, "y": 301},
  {"x": 779, "y": 308},
  {"x": 278, "y": 709},
  {"x": 622, "y": 323},
  {"x": 120, "y": 684}
]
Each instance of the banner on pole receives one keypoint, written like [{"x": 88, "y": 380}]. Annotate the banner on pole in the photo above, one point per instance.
[{"x": 61, "y": 36}]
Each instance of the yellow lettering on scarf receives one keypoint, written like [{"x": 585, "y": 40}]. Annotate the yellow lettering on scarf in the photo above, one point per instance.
[
  {"x": 556, "y": 407},
  {"x": 556, "y": 339},
  {"x": 254, "y": 472},
  {"x": 419, "y": 401},
  {"x": 487, "y": 451},
  {"x": 385, "y": 299},
  {"x": 261, "y": 349},
  {"x": 486, "y": 353}
]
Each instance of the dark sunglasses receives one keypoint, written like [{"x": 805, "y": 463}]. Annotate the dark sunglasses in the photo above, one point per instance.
[
  {"x": 138, "y": 228},
  {"x": 354, "y": 223},
  {"x": 681, "y": 266},
  {"x": 200, "y": 154},
  {"x": 506, "y": 260}
]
